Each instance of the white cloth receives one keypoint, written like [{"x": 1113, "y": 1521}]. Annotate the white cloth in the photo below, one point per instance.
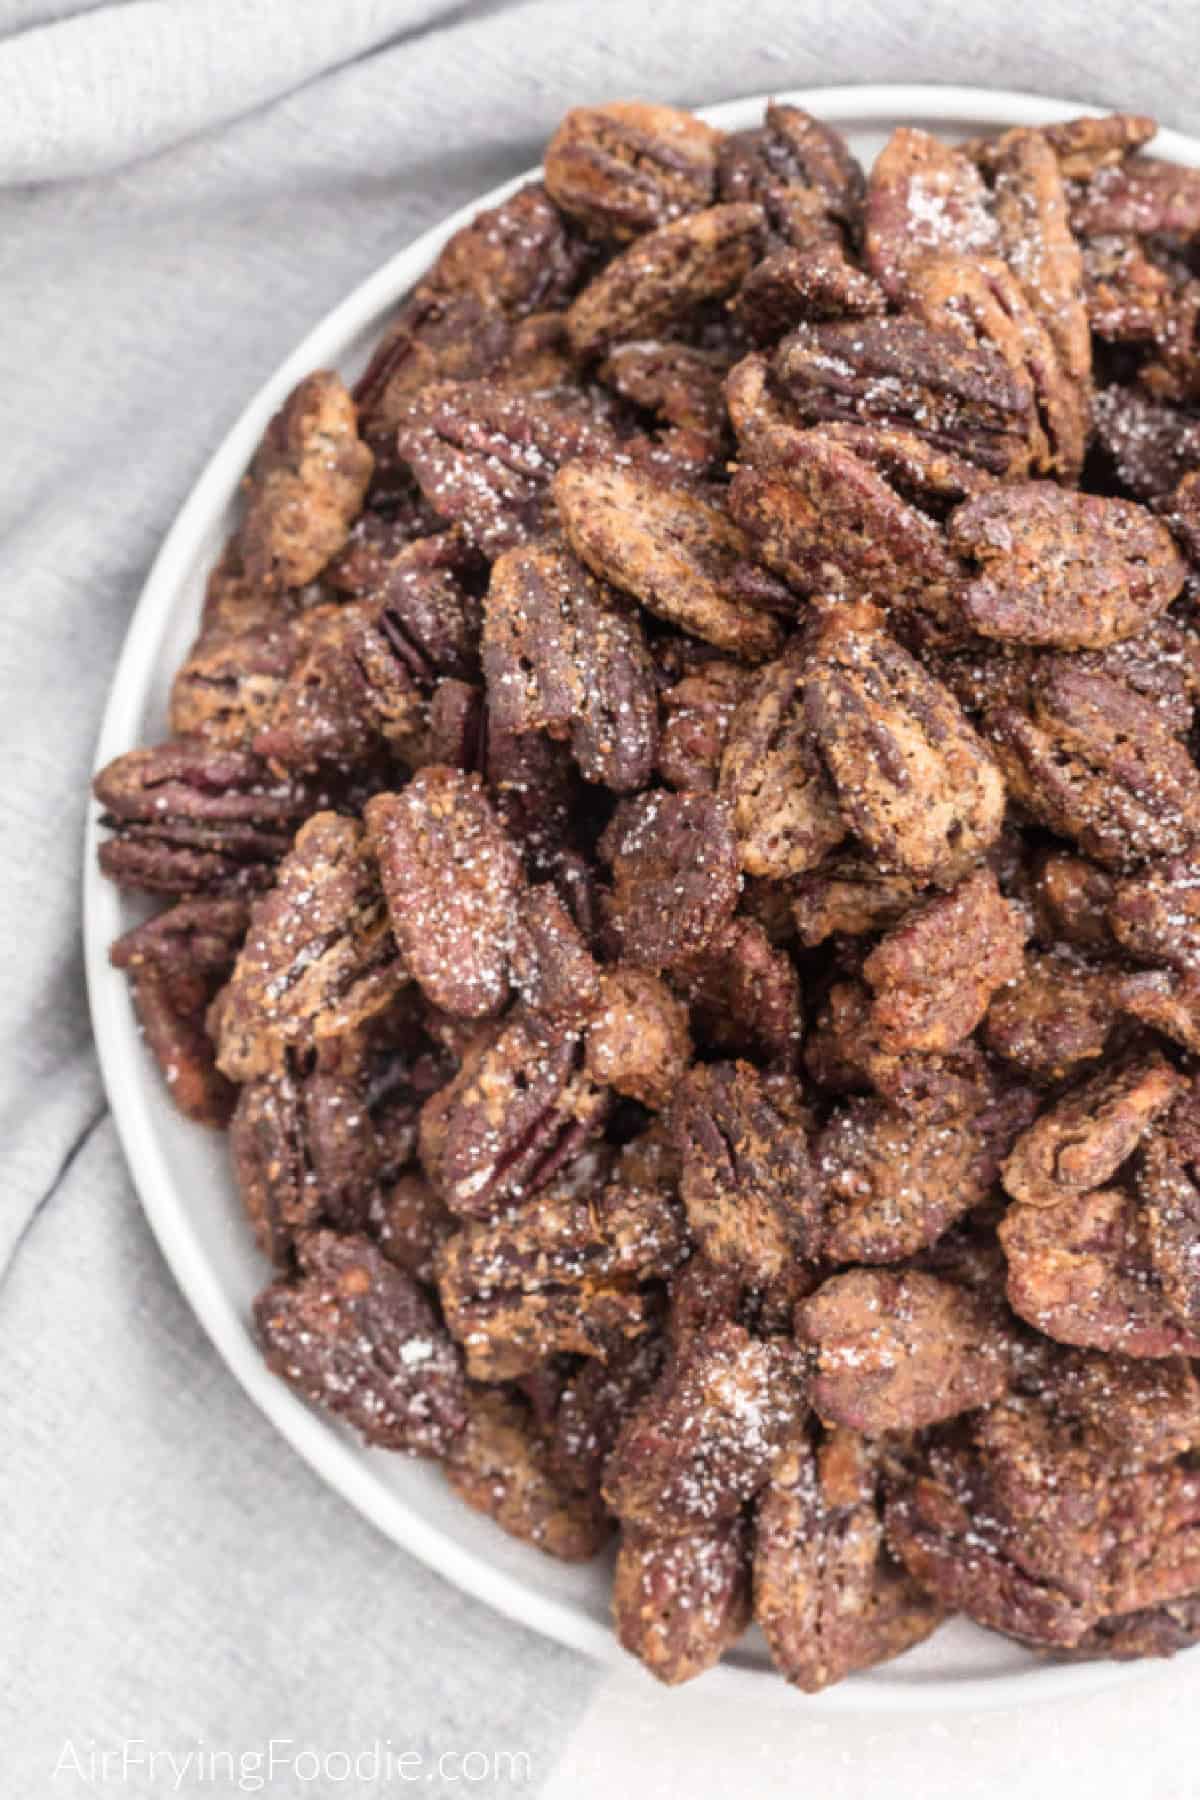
[{"x": 185, "y": 187}]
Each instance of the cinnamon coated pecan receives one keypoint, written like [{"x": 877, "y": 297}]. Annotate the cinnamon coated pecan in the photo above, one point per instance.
[
  {"x": 629, "y": 167},
  {"x": 674, "y": 876},
  {"x": 306, "y": 485},
  {"x": 679, "y": 1602}
]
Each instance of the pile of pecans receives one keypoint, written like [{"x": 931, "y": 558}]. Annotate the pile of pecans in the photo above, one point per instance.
[{"x": 680, "y": 839}]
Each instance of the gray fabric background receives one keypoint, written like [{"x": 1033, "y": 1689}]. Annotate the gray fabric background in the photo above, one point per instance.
[{"x": 185, "y": 187}]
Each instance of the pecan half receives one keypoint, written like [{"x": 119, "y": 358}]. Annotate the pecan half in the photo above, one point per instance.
[
  {"x": 502, "y": 1466},
  {"x": 798, "y": 170},
  {"x": 637, "y": 1040},
  {"x": 630, "y": 167},
  {"x": 828, "y": 1594},
  {"x": 1056, "y": 1017},
  {"x": 305, "y": 486},
  {"x": 679, "y": 1602},
  {"x": 923, "y": 198},
  {"x": 674, "y": 875},
  {"x": 1082, "y": 1140},
  {"x": 354, "y": 1334},
  {"x": 696, "y": 714},
  {"x": 1168, "y": 1187}
]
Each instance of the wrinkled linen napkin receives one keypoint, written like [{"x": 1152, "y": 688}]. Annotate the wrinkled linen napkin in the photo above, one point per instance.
[{"x": 185, "y": 187}]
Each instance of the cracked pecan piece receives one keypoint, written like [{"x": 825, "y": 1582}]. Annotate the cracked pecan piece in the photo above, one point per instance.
[
  {"x": 665, "y": 275},
  {"x": 679, "y": 1602},
  {"x": 674, "y": 551},
  {"x": 847, "y": 896},
  {"x": 912, "y": 779},
  {"x": 923, "y": 198},
  {"x": 630, "y": 167},
  {"x": 355, "y": 1335},
  {"x": 1056, "y": 1017},
  {"x": 747, "y": 1180},
  {"x": 1081, "y": 146},
  {"x": 799, "y": 170},
  {"x": 502, "y": 1466},
  {"x": 828, "y": 1593},
  {"x": 452, "y": 880},
  {"x": 521, "y": 1106},
  {"x": 785, "y": 809},
  {"x": 562, "y": 654},
  {"x": 903, "y": 373},
  {"x": 674, "y": 876},
  {"x": 934, "y": 973},
  {"x": 190, "y": 819},
  {"x": 840, "y": 1055},
  {"x": 744, "y": 996},
  {"x": 306, "y": 485},
  {"x": 1081, "y": 1271},
  {"x": 1095, "y": 761},
  {"x": 569, "y": 1275},
  {"x": 898, "y": 1352},
  {"x": 1168, "y": 1189},
  {"x": 703, "y": 1441},
  {"x": 892, "y": 1182},
  {"x": 175, "y": 963},
  {"x": 319, "y": 957},
  {"x": 637, "y": 1041},
  {"x": 1082, "y": 1140},
  {"x": 485, "y": 455},
  {"x": 1062, "y": 570}
]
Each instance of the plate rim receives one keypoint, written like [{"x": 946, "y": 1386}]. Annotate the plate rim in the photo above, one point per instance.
[{"x": 340, "y": 1463}]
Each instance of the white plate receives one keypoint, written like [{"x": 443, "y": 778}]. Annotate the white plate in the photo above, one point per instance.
[{"x": 182, "y": 1173}]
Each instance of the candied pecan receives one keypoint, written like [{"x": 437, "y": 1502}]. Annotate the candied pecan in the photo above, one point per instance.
[
  {"x": 502, "y": 1466},
  {"x": 1168, "y": 1187},
  {"x": 346, "y": 692},
  {"x": 517, "y": 257},
  {"x": 234, "y": 605},
  {"x": 817, "y": 281},
  {"x": 638, "y": 1041},
  {"x": 849, "y": 896},
  {"x": 1081, "y": 1271},
  {"x": 533, "y": 785},
  {"x": 452, "y": 880},
  {"x": 567, "y": 1275},
  {"x": 1151, "y": 1631},
  {"x": 826, "y": 521},
  {"x": 682, "y": 384},
  {"x": 1082, "y": 146},
  {"x": 485, "y": 455},
  {"x": 840, "y": 1054},
  {"x": 1058, "y": 1015},
  {"x": 912, "y": 779},
  {"x": 1143, "y": 1411},
  {"x": 901, "y": 372},
  {"x": 747, "y": 1183},
  {"x": 550, "y": 965},
  {"x": 1083, "y": 1138},
  {"x": 696, "y": 713},
  {"x": 798, "y": 170},
  {"x": 596, "y": 1397},
  {"x": 674, "y": 874},
  {"x": 194, "y": 937},
  {"x": 668, "y": 547},
  {"x": 562, "y": 654},
  {"x": 828, "y": 1594},
  {"x": 923, "y": 198},
  {"x": 319, "y": 957},
  {"x": 1071, "y": 898},
  {"x": 785, "y": 809},
  {"x": 892, "y": 1182},
  {"x": 897, "y": 1352},
  {"x": 934, "y": 973},
  {"x": 679, "y": 1602},
  {"x": 1096, "y": 762},
  {"x": 665, "y": 275},
  {"x": 188, "y": 817},
  {"x": 744, "y": 996},
  {"x": 1155, "y": 915},
  {"x": 1029, "y": 202},
  {"x": 226, "y": 686},
  {"x": 1141, "y": 195},
  {"x": 630, "y": 166},
  {"x": 703, "y": 1440},
  {"x": 1150, "y": 445},
  {"x": 1072, "y": 571},
  {"x": 355, "y": 1334},
  {"x": 519, "y": 1108},
  {"x": 409, "y": 1223},
  {"x": 305, "y": 486},
  {"x": 175, "y": 963}
]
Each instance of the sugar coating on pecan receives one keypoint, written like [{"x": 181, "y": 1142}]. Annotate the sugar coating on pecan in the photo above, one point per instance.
[
  {"x": 923, "y": 198},
  {"x": 501, "y": 1465},
  {"x": 306, "y": 484},
  {"x": 353, "y": 1333},
  {"x": 828, "y": 1593},
  {"x": 638, "y": 1040},
  {"x": 898, "y": 1352},
  {"x": 1083, "y": 1138},
  {"x": 630, "y": 166},
  {"x": 452, "y": 879},
  {"x": 670, "y": 548},
  {"x": 679, "y": 1602},
  {"x": 1068, "y": 571},
  {"x": 798, "y": 170},
  {"x": 674, "y": 875},
  {"x": 1056, "y": 1017},
  {"x": 744, "y": 995}
]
